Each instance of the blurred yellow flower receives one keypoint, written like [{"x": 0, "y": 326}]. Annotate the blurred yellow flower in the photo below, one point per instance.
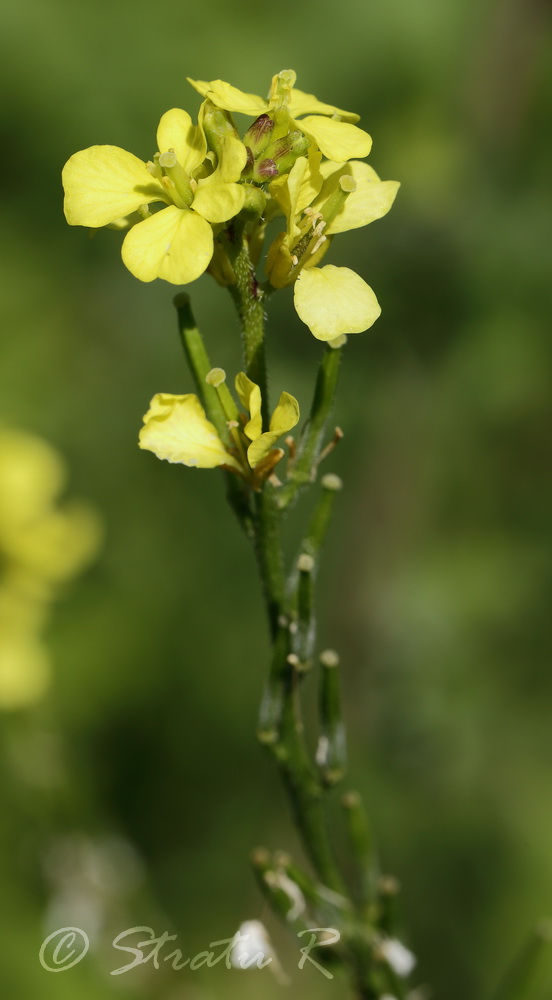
[
  {"x": 105, "y": 185},
  {"x": 42, "y": 545},
  {"x": 24, "y": 668},
  {"x": 176, "y": 429}
]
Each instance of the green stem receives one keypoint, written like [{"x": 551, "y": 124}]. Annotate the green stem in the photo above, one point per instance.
[
  {"x": 284, "y": 732},
  {"x": 249, "y": 301},
  {"x": 200, "y": 365},
  {"x": 362, "y": 844},
  {"x": 304, "y": 787},
  {"x": 306, "y": 463},
  {"x": 301, "y": 583},
  {"x": 268, "y": 550},
  {"x": 332, "y": 749}
]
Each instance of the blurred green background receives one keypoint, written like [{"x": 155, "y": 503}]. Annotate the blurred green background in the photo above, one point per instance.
[{"x": 134, "y": 791}]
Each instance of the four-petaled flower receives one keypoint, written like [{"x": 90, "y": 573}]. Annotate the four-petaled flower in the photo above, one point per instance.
[
  {"x": 176, "y": 428},
  {"x": 105, "y": 185},
  {"x": 332, "y": 301}
]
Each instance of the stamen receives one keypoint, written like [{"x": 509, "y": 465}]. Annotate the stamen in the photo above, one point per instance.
[
  {"x": 318, "y": 244},
  {"x": 175, "y": 179},
  {"x": 154, "y": 169},
  {"x": 338, "y": 436}
]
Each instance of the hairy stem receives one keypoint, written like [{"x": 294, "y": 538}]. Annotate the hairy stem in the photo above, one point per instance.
[{"x": 248, "y": 298}]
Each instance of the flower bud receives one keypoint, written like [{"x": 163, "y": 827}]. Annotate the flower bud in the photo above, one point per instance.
[
  {"x": 273, "y": 145},
  {"x": 288, "y": 149},
  {"x": 259, "y": 135},
  {"x": 279, "y": 262},
  {"x": 217, "y": 124},
  {"x": 255, "y": 201}
]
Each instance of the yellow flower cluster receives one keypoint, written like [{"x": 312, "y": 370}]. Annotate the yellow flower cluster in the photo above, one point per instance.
[
  {"x": 42, "y": 545},
  {"x": 300, "y": 159},
  {"x": 176, "y": 429}
]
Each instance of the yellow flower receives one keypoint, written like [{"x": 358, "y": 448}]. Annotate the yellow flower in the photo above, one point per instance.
[
  {"x": 176, "y": 429},
  {"x": 41, "y": 546},
  {"x": 331, "y": 301},
  {"x": 24, "y": 668},
  {"x": 330, "y": 128},
  {"x": 105, "y": 185},
  {"x": 284, "y": 418}
]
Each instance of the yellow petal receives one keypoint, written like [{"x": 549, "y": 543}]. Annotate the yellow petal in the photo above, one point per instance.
[
  {"x": 279, "y": 263},
  {"x": 286, "y": 415},
  {"x": 371, "y": 199},
  {"x": 24, "y": 669},
  {"x": 260, "y": 447},
  {"x": 286, "y": 191},
  {"x": 333, "y": 301},
  {"x": 219, "y": 202},
  {"x": 202, "y": 86},
  {"x": 281, "y": 87},
  {"x": 177, "y": 132},
  {"x": 225, "y": 96},
  {"x": 232, "y": 160},
  {"x": 104, "y": 183},
  {"x": 312, "y": 180},
  {"x": 32, "y": 475},
  {"x": 337, "y": 140},
  {"x": 308, "y": 104},
  {"x": 176, "y": 429},
  {"x": 174, "y": 244},
  {"x": 57, "y": 545},
  {"x": 250, "y": 398}
]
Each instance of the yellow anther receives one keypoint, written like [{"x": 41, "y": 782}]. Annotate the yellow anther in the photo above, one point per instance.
[
  {"x": 154, "y": 169},
  {"x": 318, "y": 244}
]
